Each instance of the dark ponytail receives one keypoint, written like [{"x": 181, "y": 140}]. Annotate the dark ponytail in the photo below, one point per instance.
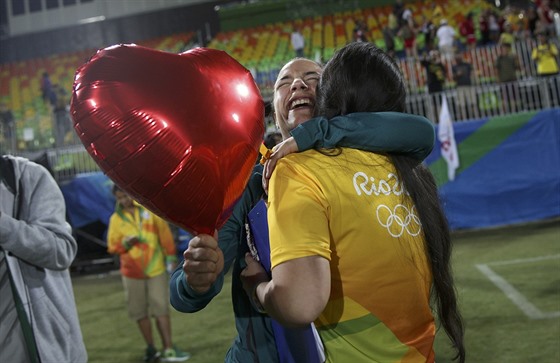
[{"x": 421, "y": 185}]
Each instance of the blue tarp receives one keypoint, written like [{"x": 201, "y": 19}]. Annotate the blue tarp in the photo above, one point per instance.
[
  {"x": 89, "y": 199},
  {"x": 517, "y": 181}
]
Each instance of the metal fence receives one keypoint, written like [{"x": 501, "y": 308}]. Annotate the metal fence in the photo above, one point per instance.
[
  {"x": 488, "y": 100},
  {"x": 483, "y": 61}
]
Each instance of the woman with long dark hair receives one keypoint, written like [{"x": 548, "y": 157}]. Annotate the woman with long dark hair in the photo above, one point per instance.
[{"x": 359, "y": 242}]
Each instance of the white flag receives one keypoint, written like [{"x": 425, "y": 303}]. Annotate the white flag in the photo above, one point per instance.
[{"x": 446, "y": 137}]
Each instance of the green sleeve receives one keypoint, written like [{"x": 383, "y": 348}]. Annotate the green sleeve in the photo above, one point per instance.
[{"x": 391, "y": 132}]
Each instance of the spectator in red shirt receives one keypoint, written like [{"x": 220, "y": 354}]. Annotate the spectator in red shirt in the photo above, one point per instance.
[{"x": 466, "y": 29}]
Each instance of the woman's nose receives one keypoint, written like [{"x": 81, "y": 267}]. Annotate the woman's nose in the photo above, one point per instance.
[{"x": 298, "y": 83}]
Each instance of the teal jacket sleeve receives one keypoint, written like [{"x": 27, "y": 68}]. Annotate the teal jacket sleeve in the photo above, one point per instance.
[{"x": 390, "y": 132}]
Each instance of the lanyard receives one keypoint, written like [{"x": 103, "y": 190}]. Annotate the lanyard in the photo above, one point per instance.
[{"x": 141, "y": 219}]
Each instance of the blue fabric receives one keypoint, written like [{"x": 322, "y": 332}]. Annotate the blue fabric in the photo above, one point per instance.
[
  {"x": 294, "y": 345},
  {"x": 184, "y": 238},
  {"x": 259, "y": 228},
  {"x": 89, "y": 199},
  {"x": 516, "y": 182}
]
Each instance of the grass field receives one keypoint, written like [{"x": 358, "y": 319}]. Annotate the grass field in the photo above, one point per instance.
[{"x": 508, "y": 281}]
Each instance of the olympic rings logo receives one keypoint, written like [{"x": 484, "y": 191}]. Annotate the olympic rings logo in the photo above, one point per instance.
[{"x": 399, "y": 219}]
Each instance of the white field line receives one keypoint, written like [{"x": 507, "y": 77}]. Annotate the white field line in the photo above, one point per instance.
[
  {"x": 512, "y": 293},
  {"x": 524, "y": 260}
]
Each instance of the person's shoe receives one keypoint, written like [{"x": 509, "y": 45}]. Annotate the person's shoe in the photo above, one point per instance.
[
  {"x": 174, "y": 355},
  {"x": 152, "y": 354}
]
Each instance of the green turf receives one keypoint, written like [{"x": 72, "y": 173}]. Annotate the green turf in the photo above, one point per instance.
[
  {"x": 111, "y": 337},
  {"x": 497, "y": 330}
]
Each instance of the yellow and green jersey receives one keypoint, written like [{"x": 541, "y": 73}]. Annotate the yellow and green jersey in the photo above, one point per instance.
[
  {"x": 147, "y": 258},
  {"x": 353, "y": 210}
]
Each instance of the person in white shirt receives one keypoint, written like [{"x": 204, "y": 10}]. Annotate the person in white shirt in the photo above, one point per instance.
[
  {"x": 298, "y": 42},
  {"x": 446, "y": 37},
  {"x": 407, "y": 17}
]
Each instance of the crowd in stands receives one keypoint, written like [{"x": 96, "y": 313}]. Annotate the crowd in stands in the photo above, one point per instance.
[
  {"x": 35, "y": 96},
  {"x": 494, "y": 26},
  {"x": 425, "y": 31},
  {"x": 440, "y": 49},
  {"x": 439, "y": 46}
]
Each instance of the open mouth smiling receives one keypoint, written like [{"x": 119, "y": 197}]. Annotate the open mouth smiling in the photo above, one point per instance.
[{"x": 301, "y": 102}]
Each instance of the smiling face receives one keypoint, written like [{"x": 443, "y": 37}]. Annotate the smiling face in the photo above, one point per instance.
[{"x": 294, "y": 94}]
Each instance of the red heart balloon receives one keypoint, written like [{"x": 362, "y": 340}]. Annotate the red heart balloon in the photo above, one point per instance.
[{"x": 179, "y": 132}]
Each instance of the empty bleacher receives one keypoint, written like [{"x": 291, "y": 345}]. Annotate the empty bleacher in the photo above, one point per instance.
[{"x": 20, "y": 89}]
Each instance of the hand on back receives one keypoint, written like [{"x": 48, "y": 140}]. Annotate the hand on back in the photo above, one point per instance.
[{"x": 284, "y": 148}]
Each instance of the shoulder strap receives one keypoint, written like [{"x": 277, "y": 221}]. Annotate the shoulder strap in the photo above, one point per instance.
[
  {"x": 7, "y": 174},
  {"x": 30, "y": 342},
  {"x": 8, "y": 177}
]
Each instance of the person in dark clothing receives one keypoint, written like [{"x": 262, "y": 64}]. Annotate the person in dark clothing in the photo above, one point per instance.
[
  {"x": 462, "y": 75},
  {"x": 398, "y": 10},
  {"x": 462, "y": 71},
  {"x": 428, "y": 29},
  {"x": 272, "y": 138},
  {"x": 507, "y": 66},
  {"x": 435, "y": 72},
  {"x": 61, "y": 119},
  {"x": 389, "y": 38},
  {"x": 7, "y": 126},
  {"x": 435, "y": 77},
  {"x": 47, "y": 90},
  {"x": 360, "y": 31}
]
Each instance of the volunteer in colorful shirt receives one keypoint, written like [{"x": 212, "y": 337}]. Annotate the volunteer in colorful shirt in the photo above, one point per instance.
[{"x": 145, "y": 245}]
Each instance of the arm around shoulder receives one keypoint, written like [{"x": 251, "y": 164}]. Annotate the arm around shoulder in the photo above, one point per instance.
[{"x": 391, "y": 132}]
